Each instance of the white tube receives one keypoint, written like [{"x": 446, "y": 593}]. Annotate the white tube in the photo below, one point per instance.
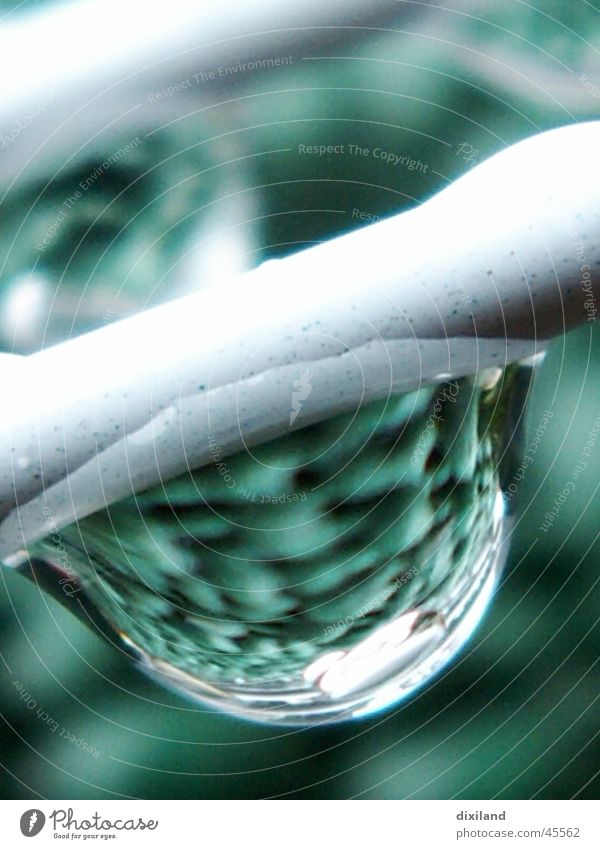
[
  {"x": 78, "y": 68},
  {"x": 479, "y": 276},
  {"x": 91, "y": 40}
]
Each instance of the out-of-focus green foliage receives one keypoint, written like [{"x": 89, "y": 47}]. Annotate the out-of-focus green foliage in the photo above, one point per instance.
[{"x": 515, "y": 717}]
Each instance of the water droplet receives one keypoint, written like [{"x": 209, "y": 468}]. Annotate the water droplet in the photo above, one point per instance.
[{"x": 241, "y": 587}]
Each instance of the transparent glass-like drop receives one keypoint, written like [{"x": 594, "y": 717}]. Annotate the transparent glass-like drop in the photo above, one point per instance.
[{"x": 322, "y": 576}]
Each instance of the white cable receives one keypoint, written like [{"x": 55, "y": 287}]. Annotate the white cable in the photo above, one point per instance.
[{"x": 479, "y": 276}]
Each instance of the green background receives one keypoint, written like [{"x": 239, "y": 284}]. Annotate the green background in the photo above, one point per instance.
[{"x": 516, "y": 716}]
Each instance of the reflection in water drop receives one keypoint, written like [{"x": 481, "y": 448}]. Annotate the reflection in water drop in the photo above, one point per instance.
[{"x": 324, "y": 576}]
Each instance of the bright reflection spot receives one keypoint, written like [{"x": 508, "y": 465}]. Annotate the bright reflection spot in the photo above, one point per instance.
[{"x": 24, "y": 309}]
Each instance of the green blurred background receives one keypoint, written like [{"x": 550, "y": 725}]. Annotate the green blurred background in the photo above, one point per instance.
[{"x": 516, "y": 716}]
